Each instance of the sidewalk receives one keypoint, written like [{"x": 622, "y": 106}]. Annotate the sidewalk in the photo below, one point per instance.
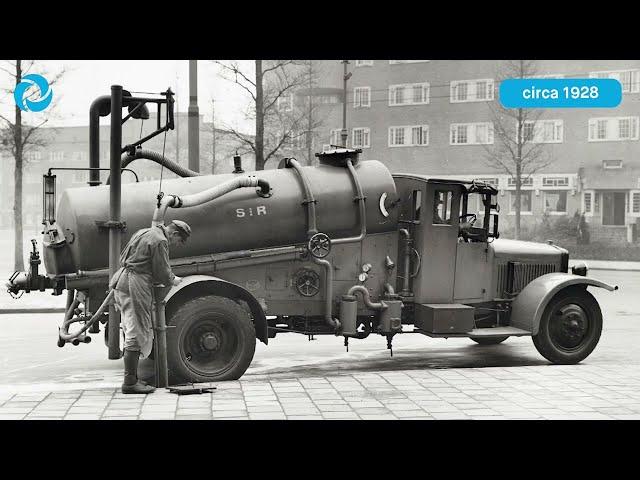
[
  {"x": 608, "y": 265},
  {"x": 530, "y": 392}
]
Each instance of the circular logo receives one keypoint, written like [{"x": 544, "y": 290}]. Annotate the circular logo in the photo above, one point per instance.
[{"x": 32, "y": 102}]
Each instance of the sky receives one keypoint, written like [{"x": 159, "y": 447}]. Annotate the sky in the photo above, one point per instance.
[{"x": 85, "y": 80}]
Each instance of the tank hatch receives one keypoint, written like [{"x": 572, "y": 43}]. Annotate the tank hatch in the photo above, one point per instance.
[{"x": 338, "y": 156}]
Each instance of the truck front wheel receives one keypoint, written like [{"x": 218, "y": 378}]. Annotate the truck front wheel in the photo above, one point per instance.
[
  {"x": 570, "y": 327},
  {"x": 213, "y": 340}
]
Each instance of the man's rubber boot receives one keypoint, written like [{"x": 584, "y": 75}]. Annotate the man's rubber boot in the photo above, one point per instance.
[{"x": 131, "y": 383}]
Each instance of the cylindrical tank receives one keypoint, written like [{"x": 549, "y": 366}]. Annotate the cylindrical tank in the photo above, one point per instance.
[{"x": 240, "y": 220}]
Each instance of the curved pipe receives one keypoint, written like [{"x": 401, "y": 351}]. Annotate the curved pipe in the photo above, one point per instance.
[
  {"x": 363, "y": 211},
  {"x": 205, "y": 196},
  {"x": 309, "y": 200},
  {"x": 100, "y": 107},
  {"x": 328, "y": 301},
  {"x": 68, "y": 320},
  {"x": 367, "y": 299},
  {"x": 158, "y": 158}
]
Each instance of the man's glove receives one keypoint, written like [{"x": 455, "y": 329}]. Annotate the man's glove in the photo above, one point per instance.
[{"x": 177, "y": 280}]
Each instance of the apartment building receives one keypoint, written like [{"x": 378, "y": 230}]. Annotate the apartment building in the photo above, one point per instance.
[{"x": 436, "y": 117}]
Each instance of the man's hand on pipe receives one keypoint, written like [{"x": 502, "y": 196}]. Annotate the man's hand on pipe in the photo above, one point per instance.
[{"x": 177, "y": 280}]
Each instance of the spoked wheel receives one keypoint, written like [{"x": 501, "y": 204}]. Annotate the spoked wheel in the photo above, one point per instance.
[
  {"x": 213, "y": 340},
  {"x": 489, "y": 340},
  {"x": 570, "y": 327}
]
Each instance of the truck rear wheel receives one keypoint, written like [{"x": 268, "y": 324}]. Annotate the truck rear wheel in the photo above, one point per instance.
[
  {"x": 213, "y": 340},
  {"x": 570, "y": 327},
  {"x": 489, "y": 340}
]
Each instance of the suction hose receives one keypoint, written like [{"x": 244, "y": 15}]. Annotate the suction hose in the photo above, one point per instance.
[
  {"x": 208, "y": 195},
  {"x": 68, "y": 320},
  {"x": 158, "y": 158}
]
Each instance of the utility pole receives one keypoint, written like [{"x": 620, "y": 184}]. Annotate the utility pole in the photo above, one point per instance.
[
  {"x": 310, "y": 124},
  {"x": 177, "y": 115},
  {"x": 213, "y": 136},
  {"x": 346, "y": 77},
  {"x": 194, "y": 118}
]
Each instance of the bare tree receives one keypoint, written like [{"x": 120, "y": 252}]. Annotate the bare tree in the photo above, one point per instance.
[
  {"x": 20, "y": 138},
  {"x": 517, "y": 149},
  {"x": 272, "y": 89}
]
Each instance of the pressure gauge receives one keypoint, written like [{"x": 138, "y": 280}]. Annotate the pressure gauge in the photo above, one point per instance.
[{"x": 363, "y": 277}]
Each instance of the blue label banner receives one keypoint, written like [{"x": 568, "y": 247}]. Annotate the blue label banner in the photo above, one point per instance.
[{"x": 560, "y": 93}]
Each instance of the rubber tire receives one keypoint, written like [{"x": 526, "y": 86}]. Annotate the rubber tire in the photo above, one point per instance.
[
  {"x": 589, "y": 304},
  {"x": 191, "y": 312},
  {"x": 489, "y": 340}
]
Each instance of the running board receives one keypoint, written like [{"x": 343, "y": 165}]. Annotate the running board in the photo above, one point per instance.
[{"x": 481, "y": 332}]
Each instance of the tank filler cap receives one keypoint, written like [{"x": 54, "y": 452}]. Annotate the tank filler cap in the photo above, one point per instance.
[{"x": 338, "y": 156}]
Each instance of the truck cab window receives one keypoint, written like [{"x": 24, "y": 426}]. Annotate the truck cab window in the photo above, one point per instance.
[
  {"x": 417, "y": 203},
  {"x": 442, "y": 207}
]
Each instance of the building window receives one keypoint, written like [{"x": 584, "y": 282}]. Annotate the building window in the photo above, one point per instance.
[
  {"x": 285, "y": 103},
  {"x": 364, "y": 63},
  {"x": 635, "y": 200},
  {"x": 480, "y": 90},
  {"x": 524, "y": 182},
  {"x": 525, "y": 201},
  {"x": 33, "y": 157},
  {"x": 360, "y": 138},
  {"x": 555, "y": 201},
  {"x": 336, "y": 137},
  {"x": 361, "y": 97},
  {"x": 611, "y": 164},
  {"x": 542, "y": 131},
  {"x": 409, "y": 136},
  {"x": 628, "y": 78},
  {"x": 56, "y": 156},
  {"x": 395, "y": 62},
  {"x": 555, "y": 181},
  {"x": 409, "y": 94},
  {"x": 613, "y": 129},
  {"x": 471, "y": 133},
  {"x": 587, "y": 196},
  {"x": 327, "y": 99}
]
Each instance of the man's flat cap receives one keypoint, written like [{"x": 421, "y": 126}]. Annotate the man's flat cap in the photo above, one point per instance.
[{"x": 183, "y": 227}]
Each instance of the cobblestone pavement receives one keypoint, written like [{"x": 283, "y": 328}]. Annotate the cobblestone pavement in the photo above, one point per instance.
[{"x": 525, "y": 392}]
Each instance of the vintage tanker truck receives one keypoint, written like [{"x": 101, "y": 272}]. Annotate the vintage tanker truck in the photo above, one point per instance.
[{"x": 344, "y": 248}]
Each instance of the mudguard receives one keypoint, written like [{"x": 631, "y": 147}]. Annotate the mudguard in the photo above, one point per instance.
[
  {"x": 529, "y": 305},
  {"x": 195, "y": 285}
]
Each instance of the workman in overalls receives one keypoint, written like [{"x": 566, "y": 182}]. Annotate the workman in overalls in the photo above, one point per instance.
[{"x": 143, "y": 263}]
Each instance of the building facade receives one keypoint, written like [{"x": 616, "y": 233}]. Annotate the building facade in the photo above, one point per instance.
[{"x": 436, "y": 117}]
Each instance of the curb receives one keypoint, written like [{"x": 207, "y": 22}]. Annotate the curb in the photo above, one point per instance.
[{"x": 4, "y": 311}]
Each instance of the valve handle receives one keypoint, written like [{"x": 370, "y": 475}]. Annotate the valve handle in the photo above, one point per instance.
[{"x": 319, "y": 245}]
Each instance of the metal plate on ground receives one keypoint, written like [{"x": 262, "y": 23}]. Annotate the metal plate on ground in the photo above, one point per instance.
[{"x": 192, "y": 388}]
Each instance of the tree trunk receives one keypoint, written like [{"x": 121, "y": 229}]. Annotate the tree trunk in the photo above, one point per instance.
[
  {"x": 17, "y": 174},
  {"x": 259, "y": 117},
  {"x": 518, "y": 174}
]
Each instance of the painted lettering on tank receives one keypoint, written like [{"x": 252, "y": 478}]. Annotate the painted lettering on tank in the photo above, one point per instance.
[{"x": 250, "y": 212}]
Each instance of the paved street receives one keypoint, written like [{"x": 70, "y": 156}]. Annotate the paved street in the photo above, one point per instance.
[{"x": 295, "y": 379}]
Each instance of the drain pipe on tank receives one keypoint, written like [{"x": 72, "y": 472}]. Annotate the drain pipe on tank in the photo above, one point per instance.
[
  {"x": 309, "y": 200},
  {"x": 360, "y": 198}
]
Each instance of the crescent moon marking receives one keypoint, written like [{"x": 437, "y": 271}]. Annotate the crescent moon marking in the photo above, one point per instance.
[{"x": 383, "y": 210}]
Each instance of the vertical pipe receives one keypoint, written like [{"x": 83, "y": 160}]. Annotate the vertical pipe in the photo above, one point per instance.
[
  {"x": 94, "y": 147},
  {"x": 162, "y": 374},
  {"x": 344, "y": 133},
  {"x": 194, "y": 117},
  {"x": 114, "y": 213}
]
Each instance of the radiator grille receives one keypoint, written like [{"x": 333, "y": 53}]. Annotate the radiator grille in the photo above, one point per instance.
[{"x": 523, "y": 274}]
